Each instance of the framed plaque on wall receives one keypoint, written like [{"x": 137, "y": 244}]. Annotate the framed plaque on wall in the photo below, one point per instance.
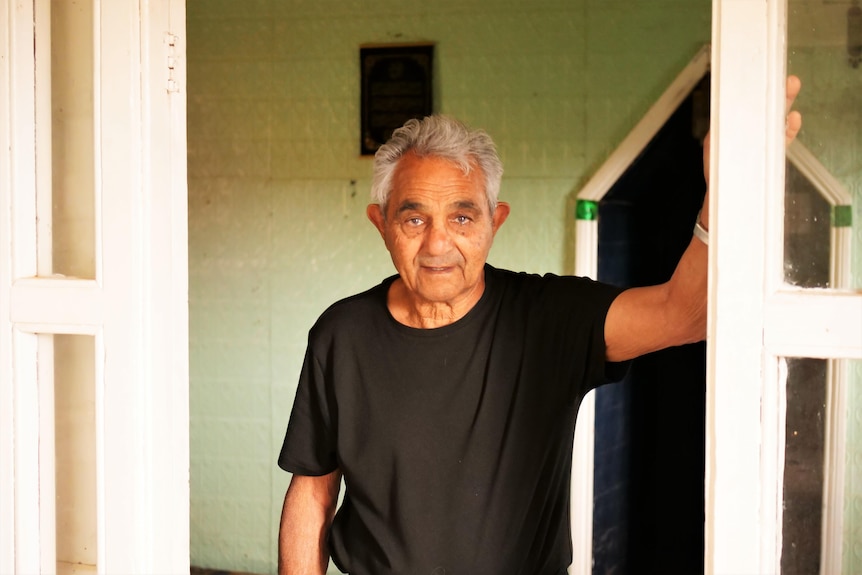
[{"x": 396, "y": 86}]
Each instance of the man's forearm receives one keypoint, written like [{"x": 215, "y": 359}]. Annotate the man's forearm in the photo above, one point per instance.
[{"x": 309, "y": 506}]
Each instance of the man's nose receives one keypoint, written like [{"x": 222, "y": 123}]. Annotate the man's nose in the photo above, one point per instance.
[{"x": 438, "y": 239}]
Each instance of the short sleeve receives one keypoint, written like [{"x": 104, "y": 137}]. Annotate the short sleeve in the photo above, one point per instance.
[
  {"x": 309, "y": 446},
  {"x": 575, "y": 310}
]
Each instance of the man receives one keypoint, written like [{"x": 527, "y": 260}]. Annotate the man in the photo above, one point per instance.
[{"x": 446, "y": 396}]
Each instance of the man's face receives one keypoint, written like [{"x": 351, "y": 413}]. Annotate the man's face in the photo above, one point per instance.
[{"x": 438, "y": 229}]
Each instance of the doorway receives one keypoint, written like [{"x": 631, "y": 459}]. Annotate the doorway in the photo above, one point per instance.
[{"x": 649, "y": 445}]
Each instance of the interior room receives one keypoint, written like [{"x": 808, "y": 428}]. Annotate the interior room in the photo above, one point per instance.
[{"x": 278, "y": 187}]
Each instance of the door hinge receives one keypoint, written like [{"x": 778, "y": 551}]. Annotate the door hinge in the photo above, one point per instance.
[{"x": 171, "y": 42}]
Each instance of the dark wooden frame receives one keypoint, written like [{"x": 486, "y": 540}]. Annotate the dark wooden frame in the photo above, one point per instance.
[{"x": 396, "y": 86}]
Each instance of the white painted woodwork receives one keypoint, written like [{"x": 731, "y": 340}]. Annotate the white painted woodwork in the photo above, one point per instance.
[
  {"x": 586, "y": 265},
  {"x": 136, "y": 307},
  {"x": 755, "y": 321},
  {"x": 740, "y": 478}
]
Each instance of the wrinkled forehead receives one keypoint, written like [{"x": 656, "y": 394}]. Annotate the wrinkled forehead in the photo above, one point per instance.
[
  {"x": 466, "y": 164},
  {"x": 434, "y": 175},
  {"x": 430, "y": 184}
]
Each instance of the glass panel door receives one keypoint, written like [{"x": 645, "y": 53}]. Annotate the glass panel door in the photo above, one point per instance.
[
  {"x": 786, "y": 306},
  {"x": 93, "y": 290}
]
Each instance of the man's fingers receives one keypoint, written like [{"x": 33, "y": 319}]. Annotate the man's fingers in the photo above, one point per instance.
[
  {"x": 792, "y": 125},
  {"x": 794, "y": 84},
  {"x": 793, "y": 121}
]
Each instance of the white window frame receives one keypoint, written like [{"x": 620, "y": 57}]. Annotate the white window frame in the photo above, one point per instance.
[{"x": 754, "y": 318}]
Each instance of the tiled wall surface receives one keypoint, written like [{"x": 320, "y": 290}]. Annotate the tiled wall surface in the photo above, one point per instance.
[{"x": 277, "y": 191}]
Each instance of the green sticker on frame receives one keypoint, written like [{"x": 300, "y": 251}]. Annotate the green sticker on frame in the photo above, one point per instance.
[
  {"x": 586, "y": 210},
  {"x": 842, "y": 216}
]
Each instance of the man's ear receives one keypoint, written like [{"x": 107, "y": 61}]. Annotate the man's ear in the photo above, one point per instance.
[
  {"x": 500, "y": 215},
  {"x": 375, "y": 214}
]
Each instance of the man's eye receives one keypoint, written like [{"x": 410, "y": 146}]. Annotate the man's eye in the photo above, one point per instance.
[
  {"x": 462, "y": 220},
  {"x": 415, "y": 221}
]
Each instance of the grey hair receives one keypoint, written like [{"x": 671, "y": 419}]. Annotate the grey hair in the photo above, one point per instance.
[{"x": 442, "y": 137}]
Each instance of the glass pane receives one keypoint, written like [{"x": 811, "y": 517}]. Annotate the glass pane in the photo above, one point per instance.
[
  {"x": 807, "y": 232},
  {"x": 72, "y": 135},
  {"x": 75, "y": 452},
  {"x": 823, "y": 434},
  {"x": 823, "y": 242},
  {"x": 803, "y": 466}
]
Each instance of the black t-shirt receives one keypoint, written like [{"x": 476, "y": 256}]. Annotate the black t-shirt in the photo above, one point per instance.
[{"x": 455, "y": 442}]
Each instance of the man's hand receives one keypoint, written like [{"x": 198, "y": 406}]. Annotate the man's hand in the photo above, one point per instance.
[{"x": 792, "y": 122}]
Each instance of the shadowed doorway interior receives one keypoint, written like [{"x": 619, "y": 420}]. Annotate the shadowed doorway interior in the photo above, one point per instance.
[{"x": 649, "y": 458}]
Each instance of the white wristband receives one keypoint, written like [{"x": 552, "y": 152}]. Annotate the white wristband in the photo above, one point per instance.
[{"x": 701, "y": 232}]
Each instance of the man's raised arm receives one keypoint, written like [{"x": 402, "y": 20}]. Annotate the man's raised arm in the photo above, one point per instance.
[{"x": 645, "y": 319}]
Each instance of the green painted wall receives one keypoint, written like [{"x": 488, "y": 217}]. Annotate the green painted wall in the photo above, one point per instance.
[{"x": 277, "y": 192}]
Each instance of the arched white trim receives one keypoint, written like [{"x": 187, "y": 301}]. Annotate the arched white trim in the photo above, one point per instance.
[
  {"x": 824, "y": 182},
  {"x": 641, "y": 135}
]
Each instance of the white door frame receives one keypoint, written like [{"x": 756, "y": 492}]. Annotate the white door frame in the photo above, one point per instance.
[
  {"x": 136, "y": 307},
  {"x": 754, "y": 319}
]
